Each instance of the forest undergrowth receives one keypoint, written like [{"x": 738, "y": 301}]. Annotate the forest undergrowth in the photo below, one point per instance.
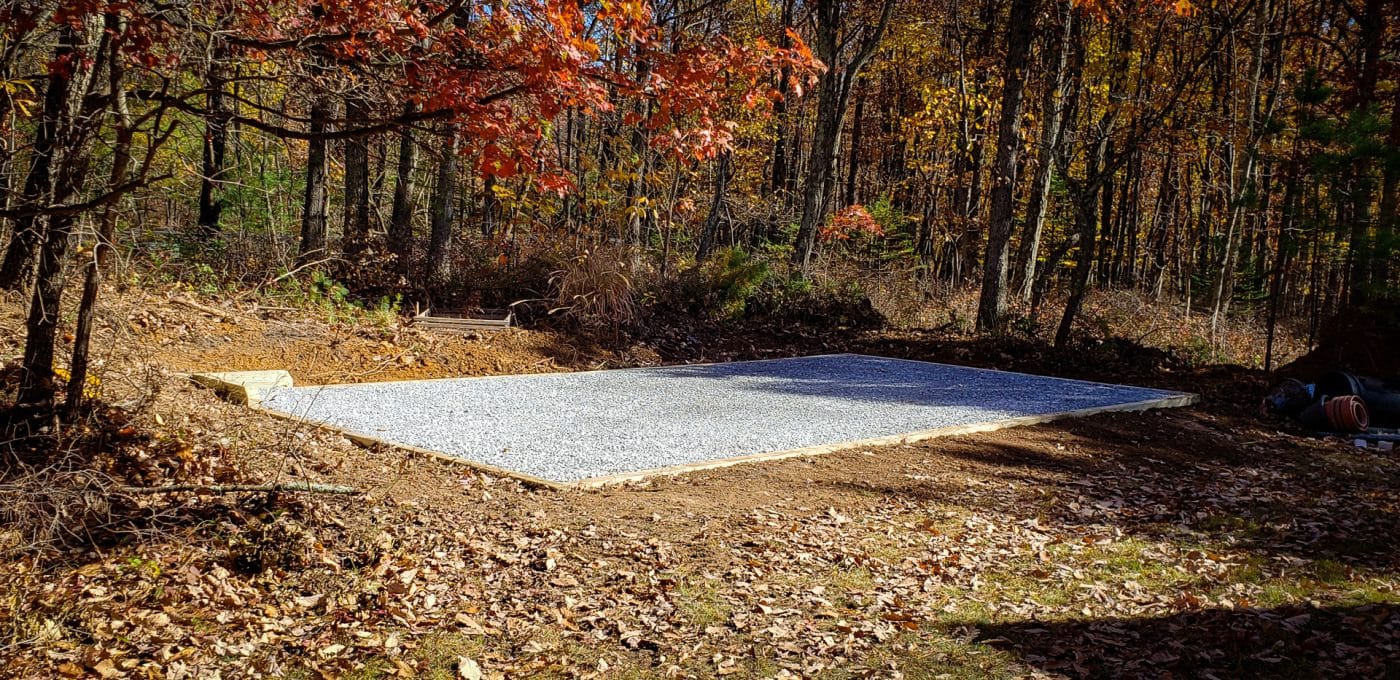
[{"x": 918, "y": 564}]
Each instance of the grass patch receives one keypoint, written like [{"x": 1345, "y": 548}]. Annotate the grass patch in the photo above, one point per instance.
[{"x": 700, "y": 602}]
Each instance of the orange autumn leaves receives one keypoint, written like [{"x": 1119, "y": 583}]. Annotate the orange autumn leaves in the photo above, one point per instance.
[
  {"x": 853, "y": 220},
  {"x": 502, "y": 73},
  {"x": 1104, "y": 9}
]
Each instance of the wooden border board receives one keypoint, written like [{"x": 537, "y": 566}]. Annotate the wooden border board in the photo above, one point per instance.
[
  {"x": 1174, "y": 401},
  {"x": 488, "y": 320}
]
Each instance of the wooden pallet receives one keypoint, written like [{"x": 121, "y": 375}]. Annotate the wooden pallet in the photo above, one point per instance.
[{"x": 485, "y": 321}]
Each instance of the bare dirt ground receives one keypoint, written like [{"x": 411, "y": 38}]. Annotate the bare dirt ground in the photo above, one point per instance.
[{"x": 1188, "y": 543}]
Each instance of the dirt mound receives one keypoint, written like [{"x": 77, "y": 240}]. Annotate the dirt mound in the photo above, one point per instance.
[
  {"x": 317, "y": 353},
  {"x": 1361, "y": 341}
]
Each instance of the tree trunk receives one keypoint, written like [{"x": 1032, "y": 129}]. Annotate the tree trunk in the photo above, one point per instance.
[
  {"x": 1243, "y": 180},
  {"x": 637, "y": 196},
  {"x": 313, "y": 210},
  {"x": 18, "y": 264},
  {"x": 37, "y": 388},
  {"x": 1052, "y": 125},
  {"x": 215, "y": 142},
  {"x": 401, "y": 218},
  {"x": 355, "y": 219},
  {"x": 923, "y": 241},
  {"x": 834, "y": 99},
  {"x": 1390, "y": 206},
  {"x": 1281, "y": 259},
  {"x": 1085, "y": 193},
  {"x": 711, "y": 228},
  {"x": 439, "y": 266},
  {"x": 489, "y": 207},
  {"x": 106, "y": 231},
  {"x": 782, "y": 170},
  {"x": 821, "y": 169},
  {"x": 992, "y": 305},
  {"x": 1043, "y": 276},
  {"x": 1086, "y": 220},
  {"x": 853, "y": 167},
  {"x": 1362, "y": 186},
  {"x": 1105, "y": 215},
  {"x": 1163, "y": 221}
]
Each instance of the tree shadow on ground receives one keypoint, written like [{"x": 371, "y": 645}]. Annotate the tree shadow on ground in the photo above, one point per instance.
[
  {"x": 1346, "y": 641},
  {"x": 1180, "y": 476}
]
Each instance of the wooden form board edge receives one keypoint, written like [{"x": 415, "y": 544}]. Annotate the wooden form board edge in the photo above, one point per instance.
[
  {"x": 425, "y": 319},
  {"x": 1171, "y": 401}
]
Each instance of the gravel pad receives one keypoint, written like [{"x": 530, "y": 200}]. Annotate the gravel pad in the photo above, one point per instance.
[{"x": 567, "y": 427}]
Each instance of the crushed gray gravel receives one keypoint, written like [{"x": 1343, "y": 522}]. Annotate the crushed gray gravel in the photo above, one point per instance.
[{"x": 567, "y": 427}]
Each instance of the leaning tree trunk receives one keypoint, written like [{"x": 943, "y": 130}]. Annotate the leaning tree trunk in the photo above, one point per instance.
[
  {"x": 1052, "y": 127},
  {"x": 1086, "y": 220},
  {"x": 18, "y": 264},
  {"x": 1042, "y": 278},
  {"x": 834, "y": 99},
  {"x": 106, "y": 233},
  {"x": 992, "y": 305}
]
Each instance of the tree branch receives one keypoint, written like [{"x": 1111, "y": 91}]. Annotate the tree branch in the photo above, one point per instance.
[
  {"x": 75, "y": 208},
  {"x": 302, "y": 487}
]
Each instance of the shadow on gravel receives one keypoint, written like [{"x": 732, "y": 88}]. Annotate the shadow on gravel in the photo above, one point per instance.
[
  {"x": 1351, "y": 642},
  {"x": 852, "y": 378},
  {"x": 1115, "y": 360}
]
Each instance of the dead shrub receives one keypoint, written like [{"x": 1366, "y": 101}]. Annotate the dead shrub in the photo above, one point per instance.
[
  {"x": 276, "y": 542},
  {"x": 598, "y": 286},
  {"x": 55, "y": 508},
  {"x": 68, "y": 486}
]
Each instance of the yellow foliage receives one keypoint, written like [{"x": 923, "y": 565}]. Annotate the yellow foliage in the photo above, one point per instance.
[{"x": 91, "y": 383}]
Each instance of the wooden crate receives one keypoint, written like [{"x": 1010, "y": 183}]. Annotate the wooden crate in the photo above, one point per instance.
[{"x": 484, "y": 321}]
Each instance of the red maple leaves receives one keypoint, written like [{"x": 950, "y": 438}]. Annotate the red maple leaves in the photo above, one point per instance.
[
  {"x": 502, "y": 73},
  {"x": 850, "y": 221}
]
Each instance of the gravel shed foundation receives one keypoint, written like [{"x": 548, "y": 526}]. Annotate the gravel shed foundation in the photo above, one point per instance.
[{"x": 598, "y": 427}]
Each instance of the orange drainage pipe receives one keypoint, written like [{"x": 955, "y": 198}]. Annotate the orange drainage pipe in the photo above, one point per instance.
[{"x": 1347, "y": 413}]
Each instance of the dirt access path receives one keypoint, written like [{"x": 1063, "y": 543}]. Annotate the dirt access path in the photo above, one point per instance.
[{"x": 1188, "y": 542}]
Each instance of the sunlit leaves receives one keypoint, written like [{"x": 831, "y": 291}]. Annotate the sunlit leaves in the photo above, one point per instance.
[
  {"x": 854, "y": 220},
  {"x": 501, "y": 73}
]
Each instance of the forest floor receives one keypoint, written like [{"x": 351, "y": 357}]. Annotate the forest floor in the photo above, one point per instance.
[{"x": 1190, "y": 542}]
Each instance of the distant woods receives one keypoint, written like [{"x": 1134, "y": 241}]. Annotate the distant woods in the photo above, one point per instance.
[{"x": 1228, "y": 156}]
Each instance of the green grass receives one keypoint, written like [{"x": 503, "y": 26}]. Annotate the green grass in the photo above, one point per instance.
[{"x": 700, "y": 602}]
